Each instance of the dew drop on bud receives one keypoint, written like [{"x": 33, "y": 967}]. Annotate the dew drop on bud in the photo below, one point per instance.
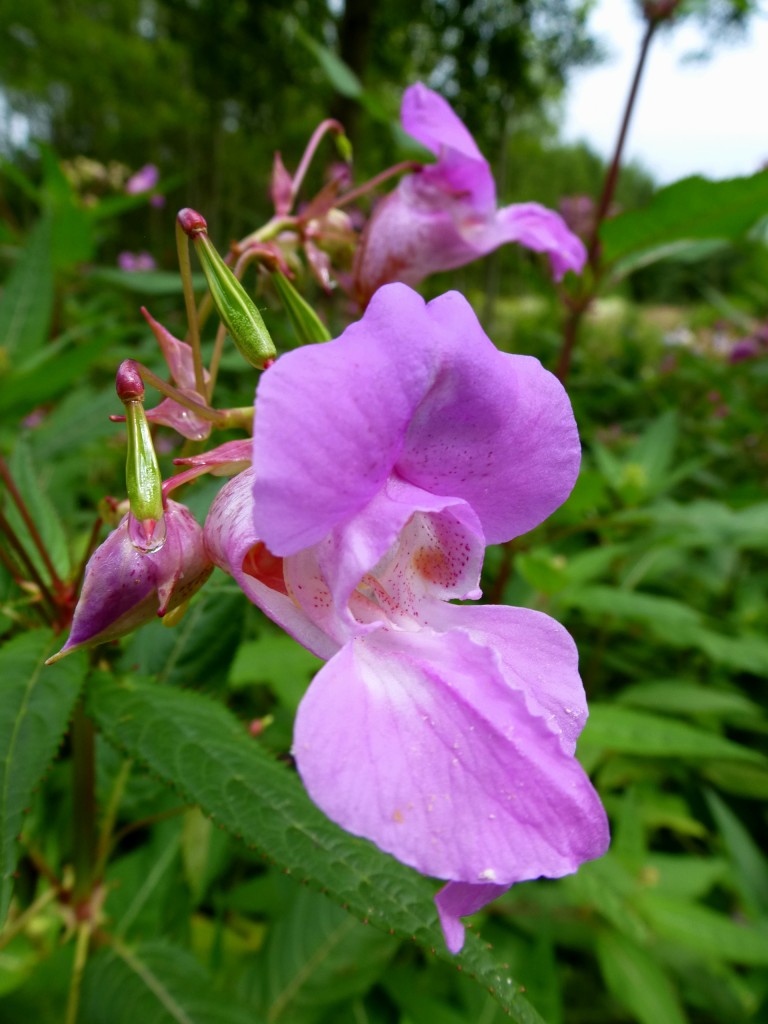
[{"x": 147, "y": 535}]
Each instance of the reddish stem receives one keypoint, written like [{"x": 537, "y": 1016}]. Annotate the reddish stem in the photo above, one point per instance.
[{"x": 13, "y": 490}]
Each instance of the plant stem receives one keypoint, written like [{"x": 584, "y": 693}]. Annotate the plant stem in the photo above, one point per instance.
[
  {"x": 84, "y": 800},
  {"x": 199, "y": 408},
  {"x": 378, "y": 179},
  {"x": 81, "y": 957},
  {"x": 18, "y": 925},
  {"x": 581, "y": 303},
  {"x": 105, "y": 842},
  {"x": 30, "y": 567},
  {"x": 322, "y": 129},
  {"x": 13, "y": 490},
  {"x": 185, "y": 268}
]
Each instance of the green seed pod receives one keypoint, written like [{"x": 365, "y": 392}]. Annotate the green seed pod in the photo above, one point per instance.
[{"x": 233, "y": 304}]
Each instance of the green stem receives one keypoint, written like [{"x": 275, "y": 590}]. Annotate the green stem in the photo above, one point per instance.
[
  {"x": 199, "y": 408},
  {"x": 84, "y": 818},
  {"x": 185, "y": 267},
  {"x": 105, "y": 843},
  {"x": 81, "y": 957}
]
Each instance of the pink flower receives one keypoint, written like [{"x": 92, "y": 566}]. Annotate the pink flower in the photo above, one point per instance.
[
  {"x": 445, "y": 215},
  {"x": 384, "y": 461},
  {"x": 144, "y": 180},
  {"x": 125, "y": 587},
  {"x": 133, "y": 261}
]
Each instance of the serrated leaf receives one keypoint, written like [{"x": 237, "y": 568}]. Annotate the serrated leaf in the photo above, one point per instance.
[
  {"x": 197, "y": 746},
  {"x": 627, "y": 731},
  {"x": 318, "y": 955},
  {"x": 35, "y": 705},
  {"x": 26, "y": 301},
  {"x": 638, "y": 981},
  {"x": 687, "y": 210},
  {"x": 154, "y": 983}
]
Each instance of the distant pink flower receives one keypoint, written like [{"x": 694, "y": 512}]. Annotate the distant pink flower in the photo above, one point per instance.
[
  {"x": 144, "y": 180},
  {"x": 445, "y": 215},
  {"x": 383, "y": 463},
  {"x": 125, "y": 587},
  {"x": 132, "y": 261}
]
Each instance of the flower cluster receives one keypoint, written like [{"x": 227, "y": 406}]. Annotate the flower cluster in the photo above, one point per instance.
[{"x": 382, "y": 464}]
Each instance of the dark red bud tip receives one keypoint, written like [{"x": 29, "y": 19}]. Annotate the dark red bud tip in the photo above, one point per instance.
[
  {"x": 191, "y": 222},
  {"x": 128, "y": 382},
  {"x": 268, "y": 363}
]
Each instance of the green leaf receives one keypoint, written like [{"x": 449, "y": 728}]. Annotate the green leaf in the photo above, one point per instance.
[
  {"x": 26, "y": 302},
  {"x": 638, "y": 981},
  {"x": 703, "y": 931},
  {"x": 626, "y": 731},
  {"x": 306, "y": 323},
  {"x": 205, "y": 753},
  {"x": 662, "y": 613},
  {"x": 689, "y": 699},
  {"x": 154, "y": 983},
  {"x": 145, "y": 282},
  {"x": 750, "y": 863},
  {"x": 277, "y": 660},
  {"x": 35, "y": 705},
  {"x": 318, "y": 955},
  {"x": 685, "y": 211}
]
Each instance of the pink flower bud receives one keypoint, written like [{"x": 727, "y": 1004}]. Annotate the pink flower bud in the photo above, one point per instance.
[
  {"x": 124, "y": 587},
  {"x": 191, "y": 222}
]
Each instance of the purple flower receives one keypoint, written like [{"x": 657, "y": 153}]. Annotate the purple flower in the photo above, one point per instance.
[
  {"x": 445, "y": 215},
  {"x": 133, "y": 261},
  {"x": 384, "y": 462},
  {"x": 143, "y": 180},
  {"x": 125, "y": 587}
]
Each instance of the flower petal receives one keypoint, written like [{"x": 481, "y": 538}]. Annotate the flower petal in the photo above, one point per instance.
[
  {"x": 537, "y": 655},
  {"x": 417, "y": 742},
  {"x": 234, "y": 545},
  {"x": 461, "y": 169},
  {"x": 460, "y": 899},
  {"x": 421, "y": 391},
  {"x": 535, "y": 227}
]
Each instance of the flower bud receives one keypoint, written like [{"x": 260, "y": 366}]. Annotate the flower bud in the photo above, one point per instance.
[
  {"x": 233, "y": 304},
  {"x": 142, "y": 472},
  {"x": 125, "y": 587}
]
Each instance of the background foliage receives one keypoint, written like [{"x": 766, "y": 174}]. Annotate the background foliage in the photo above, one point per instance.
[{"x": 226, "y": 896}]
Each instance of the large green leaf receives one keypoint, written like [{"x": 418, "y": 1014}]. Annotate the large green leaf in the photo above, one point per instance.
[
  {"x": 35, "y": 705},
  {"x": 154, "y": 983},
  {"x": 27, "y": 298},
  {"x": 197, "y": 746},
  {"x": 686, "y": 211}
]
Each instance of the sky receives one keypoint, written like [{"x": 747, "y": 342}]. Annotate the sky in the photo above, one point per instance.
[{"x": 691, "y": 117}]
